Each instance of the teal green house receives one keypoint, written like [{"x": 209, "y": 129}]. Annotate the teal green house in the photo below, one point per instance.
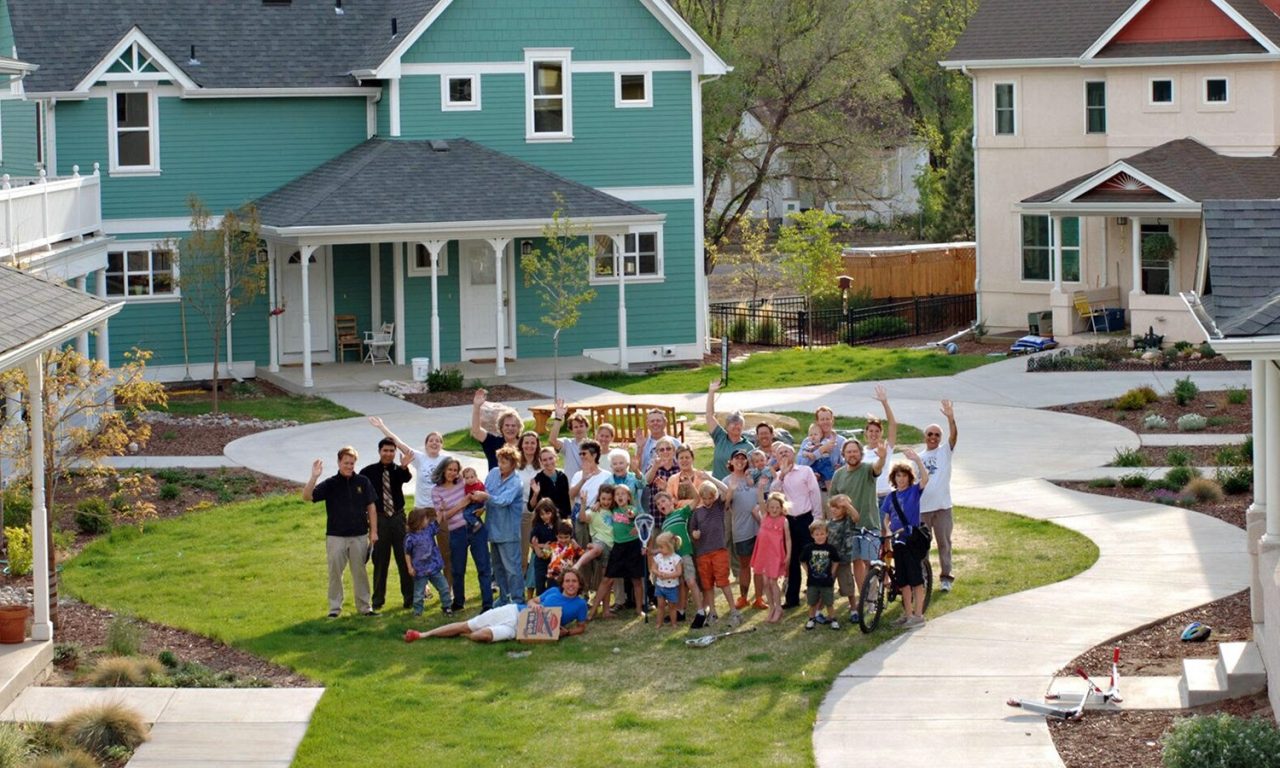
[{"x": 403, "y": 155}]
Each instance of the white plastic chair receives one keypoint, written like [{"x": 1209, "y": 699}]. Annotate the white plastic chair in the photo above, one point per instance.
[{"x": 378, "y": 344}]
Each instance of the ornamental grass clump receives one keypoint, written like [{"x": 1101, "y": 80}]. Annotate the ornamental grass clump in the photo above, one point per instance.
[
  {"x": 104, "y": 729},
  {"x": 1204, "y": 490},
  {"x": 1128, "y": 457},
  {"x": 124, "y": 672},
  {"x": 1136, "y": 399},
  {"x": 1221, "y": 741},
  {"x": 15, "y": 750},
  {"x": 1235, "y": 480},
  {"x": 1180, "y": 476},
  {"x": 67, "y": 758},
  {"x": 1185, "y": 390}
]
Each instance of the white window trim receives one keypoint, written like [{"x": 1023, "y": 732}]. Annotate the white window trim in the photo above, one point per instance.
[
  {"x": 564, "y": 57},
  {"x": 153, "y": 111},
  {"x": 416, "y": 271},
  {"x": 1088, "y": 132},
  {"x": 659, "y": 275},
  {"x": 1078, "y": 248},
  {"x": 1173, "y": 92},
  {"x": 460, "y": 106},
  {"x": 995, "y": 107},
  {"x": 123, "y": 247},
  {"x": 621, "y": 103},
  {"x": 1204, "y": 91},
  {"x": 1172, "y": 231}
]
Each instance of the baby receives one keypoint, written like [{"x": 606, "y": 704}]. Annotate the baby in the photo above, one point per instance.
[
  {"x": 816, "y": 453},
  {"x": 760, "y": 467},
  {"x": 471, "y": 513}
]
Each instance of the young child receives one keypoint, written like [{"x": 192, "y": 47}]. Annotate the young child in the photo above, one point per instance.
[
  {"x": 773, "y": 551},
  {"x": 760, "y": 469},
  {"x": 472, "y": 484},
  {"x": 424, "y": 559},
  {"x": 564, "y": 552},
  {"x": 545, "y": 518},
  {"x": 842, "y": 533},
  {"x": 599, "y": 522},
  {"x": 626, "y": 559},
  {"x": 667, "y": 570},
  {"x": 819, "y": 560},
  {"x": 675, "y": 520},
  {"x": 816, "y": 453},
  {"x": 711, "y": 553}
]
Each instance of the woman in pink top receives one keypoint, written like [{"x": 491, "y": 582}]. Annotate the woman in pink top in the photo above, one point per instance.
[
  {"x": 450, "y": 497},
  {"x": 800, "y": 486}
]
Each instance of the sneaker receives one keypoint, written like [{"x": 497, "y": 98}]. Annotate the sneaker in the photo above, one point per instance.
[
  {"x": 834, "y": 624},
  {"x": 915, "y": 622},
  {"x": 680, "y": 617},
  {"x": 712, "y": 619},
  {"x": 735, "y": 618},
  {"x": 418, "y": 612},
  {"x": 371, "y": 612},
  {"x": 740, "y": 603},
  {"x": 809, "y": 624},
  {"x": 448, "y": 612},
  {"x": 334, "y": 614},
  {"x": 821, "y": 619},
  {"x": 946, "y": 585},
  {"x": 699, "y": 620},
  {"x": 760, "y": 604},
  {"x": 854, "y": 618},
  {"x": 901, "y": 621}
]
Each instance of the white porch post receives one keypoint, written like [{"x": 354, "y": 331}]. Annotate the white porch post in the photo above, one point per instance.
[
  {"x": 375, "y": 284},
  {"x": 499, "y": 245},
  {"x": 82, "y": 341},
  {"x": 304, "y": 258},
  {"x": 1055, "y": 224},
  {"x": 1272, "y": 417},
  {"x": 41, "y": 627},
  {"x": 620, "y": 268},
  {"x": 273, "y": 320},
  {"x": 397, "y": 292},
  {"x": 103, "y": 351},
  {"x": 1260, "y": 454},
  {"x": 434, "y": 249},
  {"x": 1136, "y": 239}
]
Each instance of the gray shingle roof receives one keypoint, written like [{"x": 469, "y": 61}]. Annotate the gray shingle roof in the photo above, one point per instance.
[
  {"x": 392, "y": 181},
  {"x": 239, "y": 43},
  {"x": 1185, "y": 48},
  {"x": 1243, "y": 238},
  {"x": 1197, "y": 172},
  {"x": 34, "y": 307},
  {"x": 1049, "y": 29}
]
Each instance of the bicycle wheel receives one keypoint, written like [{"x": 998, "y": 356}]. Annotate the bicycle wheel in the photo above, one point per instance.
[
  {"x": 928, "y": 582},
  {"x": 871, "y": 599}
]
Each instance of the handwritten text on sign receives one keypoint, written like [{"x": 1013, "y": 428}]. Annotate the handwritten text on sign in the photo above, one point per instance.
[{"x": 537, "y": 624}]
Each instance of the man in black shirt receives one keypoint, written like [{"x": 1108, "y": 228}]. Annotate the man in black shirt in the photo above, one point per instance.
[
  {"x": 351, "y": 517},
  {"x": 388, "y": 481}
]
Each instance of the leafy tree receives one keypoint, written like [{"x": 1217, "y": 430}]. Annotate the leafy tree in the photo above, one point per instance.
[
  {"x": 812, "y": 259},
  {"x": 219, "y": 271},
  {"x": 562, "y": 276},
  {"x": 816, "y": 75},
  {"x": 752, "y": 261}
]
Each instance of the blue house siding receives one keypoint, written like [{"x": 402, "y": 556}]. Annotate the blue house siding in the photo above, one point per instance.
[
  {"x": 18, "y": 139},
  {"x": 351, "y": 287},
  {"x": 417, "y": 312},
  {"x": 500, "y": 30}
]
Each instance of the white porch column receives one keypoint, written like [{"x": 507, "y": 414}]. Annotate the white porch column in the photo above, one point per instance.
[
  {"x": 499, "y": 245},
  {"x": 397, "y": 292},
  {"x": 1055, "y": 225},
  {"x": 1272, "y": 417},
  {"x": 375, "y": 284},
  {"x": 619, "y": 267},
  {"x": 434, "y": 249},
  {"x": 82, "y": 341},
  {"x": 273, "y": 320},
  {"x": 304, "y": 254},
  {"x": 41, "y": 627},
  {"x": 1136, "y": 240},
  {"x": 1260, "y": 454},
  {"x": 103, "y": 351}
]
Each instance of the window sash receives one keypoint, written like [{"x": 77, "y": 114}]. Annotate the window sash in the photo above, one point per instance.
[
  {"x": 1095, "y": 99},
  {"x": 138, "y": 272},
  {"x": 133, "y": 128},
  {"x": 1161, "y": 91},
  {"x": 1005, "y": 125},
  {"x": 1215, "y": 90},
  {"x": 632, "y": 89},
  {"x": 639, "y": 256},
  {"x": 1037, "y": 248},
  {"x": 461, "y": 91}
]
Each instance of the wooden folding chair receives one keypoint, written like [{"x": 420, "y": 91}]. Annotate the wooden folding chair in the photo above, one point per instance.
[{"x": 344, "y": 328}]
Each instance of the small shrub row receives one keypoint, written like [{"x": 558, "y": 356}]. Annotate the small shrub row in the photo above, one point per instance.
[
  {"x": 1222, "y": 741},
  {"x": 445, "y": 380},
  {"x": 1136, "y": 399}
]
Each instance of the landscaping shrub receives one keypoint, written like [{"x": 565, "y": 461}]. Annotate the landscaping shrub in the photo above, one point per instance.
[
  {"x": 1235, "y": 480},
  {"x": 739, "y": 331},
  {"x": 170, "y": 475},
  {"x": 1227, "y": 456},
  {"x": 1162, "y": 484},
  {"x": 1207, "y": 351},
  {"x": 1237, "y": 395},
  {"x": 1127, "y": 457},
  {"x": 1064, "y": 360},
  {"x": 1135, "y": 480},
  {"x": 124, "y": 672},
  {"x": 1136, "y": 399},
  {"x": 1192, "y": 422},
  {"x": 1221, "y": 741},
  {"x": 444, "y": 380},
  {"x": 124, "y": 637},
  {"x": 102, "y": 727},
  {"x": 67, "y": 758},
  {"x": 170, "y": 491},
  {"x": 1154, "y": 421},
  {"x": 169, "y": 659},
  {"x": 14, "y": 749},
  {"x": 1219, "y": 421},
  {"x": 1184, "y": 390},
  {"x": 1176, "y": 457},
  {"x": 66, "y": 655},
  {"x": 93, "y": 516},
  {"x": 1246, "y": 449},
  {"x": 19, "y": 550},
  {"x": 17, "y": 506},
  {"x": 1204, "y": 490},
  {"x": 875, "y": 327},
  {"x": 768, "y": 331},
  {"x": 1102, "y": 482},
  {"x": 1180, "y": 476}
]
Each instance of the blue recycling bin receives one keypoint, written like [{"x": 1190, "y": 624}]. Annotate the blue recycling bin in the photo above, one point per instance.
[{"x": 1113, "y": 319}]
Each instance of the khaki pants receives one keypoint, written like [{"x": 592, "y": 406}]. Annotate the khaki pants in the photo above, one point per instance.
[
  {"x": 348, "y": 552},
  {"x": 941, "y": 521}
]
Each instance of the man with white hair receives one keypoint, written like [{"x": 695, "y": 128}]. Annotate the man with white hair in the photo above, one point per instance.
[{"x": 935, "y": 501}]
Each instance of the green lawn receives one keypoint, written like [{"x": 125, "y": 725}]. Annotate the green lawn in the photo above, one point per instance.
[
  {"x": 305, "y": 410},
  {"x": 622, "y": 692},
  {"x": 795, "y": 368}
]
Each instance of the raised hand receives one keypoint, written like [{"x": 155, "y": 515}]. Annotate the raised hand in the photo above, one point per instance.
[
  {"x": 376, "y": 422},
  {"x": 713, "y": 387},
  {"x": 560, "y": 408},
  {"x": 883, "y": 450},
  {"x": 910, "y": 454},
  {"x": 480, "y": 396},
  {"x": 317, "y": 467},
  {"x": 948, "y": 410},
  {"x": 882, "y": 394}
]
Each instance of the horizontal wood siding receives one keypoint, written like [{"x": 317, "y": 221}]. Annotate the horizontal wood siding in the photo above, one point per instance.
[
  {"x": 227, "y": 151},
  {"x": 417, "y": 312},
  {"x": 500, "y": 30},
  {"x": 18, "y": 139},
  {"x": 611, "y": 146},
  {"x": 351, "y": 294}
]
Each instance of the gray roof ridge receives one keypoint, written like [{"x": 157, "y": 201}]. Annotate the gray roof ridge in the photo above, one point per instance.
[{"x": 373, "y": 147}]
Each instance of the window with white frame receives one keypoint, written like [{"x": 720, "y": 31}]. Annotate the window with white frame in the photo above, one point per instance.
[
  {"x": 420, "y": 263},
  {"x": 1037, "y": 248},
  {"x": 140, "y": 272},
  {"x": 1095, "y": 107},
  {"x": 134, "y": 140},
  {"x": 460, "y": 92},
  {"x": 633, "y": 89},
  {"x": 1161, "y": 91},
  {"x": 1004, "y": 110},
  {"x": 1157, "y": 274},
  {"x": 548, "y": 88},
  {"x": 641, "y": 257},
  {"x": 1215, "y": 90}
]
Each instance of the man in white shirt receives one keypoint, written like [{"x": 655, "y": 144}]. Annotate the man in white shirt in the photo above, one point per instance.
[{"x": 935, "y": 502}]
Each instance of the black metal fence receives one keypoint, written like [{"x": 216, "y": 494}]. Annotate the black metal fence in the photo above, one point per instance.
[{"x": 785, "y": 321}]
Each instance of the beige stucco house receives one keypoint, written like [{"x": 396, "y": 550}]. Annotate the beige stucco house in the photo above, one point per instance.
[{"x": 1100, "y": 124}]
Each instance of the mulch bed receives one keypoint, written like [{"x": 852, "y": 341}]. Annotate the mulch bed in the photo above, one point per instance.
[
  {"x": 193, "y": 440},
  {"x": 499, "y": 393},
  {"x": 1238, "y": 418},
  {"x": 1200, "y": 455},
  {"x": 1230, "y": 510}
]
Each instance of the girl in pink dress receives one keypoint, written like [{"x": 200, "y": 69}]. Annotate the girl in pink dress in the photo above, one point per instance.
[{"x": 773, "y": 551}]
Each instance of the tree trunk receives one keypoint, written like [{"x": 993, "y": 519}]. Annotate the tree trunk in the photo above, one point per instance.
[{"x": 217, "y": 342}]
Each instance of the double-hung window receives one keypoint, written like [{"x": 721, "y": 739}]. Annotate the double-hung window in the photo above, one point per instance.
[
  {"x": 1157, "y": 274},
  {"x": 1004, "y": 110},
  {"x": 641, "y": 257},
  {"x": 1095, "y": 107},
  {"x": 549, "y": 95},
  {"x": 1037, "y": 248},
  {"x": 133, "y": 143},
  {"x": 140, "y": 272}
]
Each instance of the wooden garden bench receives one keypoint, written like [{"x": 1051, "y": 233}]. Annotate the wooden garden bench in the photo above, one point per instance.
[{"x": 626, "y": 418}]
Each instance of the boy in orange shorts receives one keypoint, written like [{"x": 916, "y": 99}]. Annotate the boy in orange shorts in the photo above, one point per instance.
[{"x": 711, "y": 554}]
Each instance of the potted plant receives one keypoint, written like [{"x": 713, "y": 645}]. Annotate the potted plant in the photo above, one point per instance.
[
  {"x": 13, "y": 623},
  {"x": 1159, "y": 246}
]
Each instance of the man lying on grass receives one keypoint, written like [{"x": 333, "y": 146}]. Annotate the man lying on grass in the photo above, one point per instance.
[{"x": 499, "y": 624}]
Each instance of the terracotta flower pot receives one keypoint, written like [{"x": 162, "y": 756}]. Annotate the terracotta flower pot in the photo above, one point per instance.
[{"x": 13, "y": 623}]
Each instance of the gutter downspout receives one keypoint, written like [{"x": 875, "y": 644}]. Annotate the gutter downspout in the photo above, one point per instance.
[
  {"x": 977, "y": 187},
  {"x": 699, "y": 222}
]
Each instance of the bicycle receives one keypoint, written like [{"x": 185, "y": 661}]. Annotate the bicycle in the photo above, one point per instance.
[{"x": 877, "y": 588}]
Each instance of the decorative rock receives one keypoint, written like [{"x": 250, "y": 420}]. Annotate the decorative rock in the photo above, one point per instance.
[
  {"x": 133, "y": 447},
  {"x": 10, "y": 595},
  {"x": 1149, "y": 356},
  {"x": 401, "y": 388},
  {"x": 221, "y": 420}
]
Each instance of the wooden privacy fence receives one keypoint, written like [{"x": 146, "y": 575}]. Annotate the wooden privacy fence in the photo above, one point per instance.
[{"x": 943, "y": 269}]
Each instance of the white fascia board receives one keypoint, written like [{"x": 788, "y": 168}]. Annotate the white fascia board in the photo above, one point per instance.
[
  {"x": 276, "y": 93},
  {"x": 135, "y": 35},
  {"x": 60, "y": 335},
  {"x": 1248, "y": 348},
  {"x": 10, "y": 66},
  {"x": 711, "y": 62},
  {"x": 1172, "y": 210},
  {"x": 1155, "y": 61},
  {"x": 1008, "y": 63},
  {"x": 449, "y": 230},
  {"x": 1121, "y": 166},
  {"x": 1120, "y": 23},
  {"x": 384, "y": 70}
]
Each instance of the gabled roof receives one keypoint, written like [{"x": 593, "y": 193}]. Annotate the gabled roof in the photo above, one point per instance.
[
  {"x": 36, "y": 310},
  {"x": 1243, "y": 241},
  {"x": 393, "y": 182},
  {"x": 1184, "y": 168}
]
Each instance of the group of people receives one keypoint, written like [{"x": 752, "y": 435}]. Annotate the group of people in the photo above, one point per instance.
[{"x": 638, "y": 527}]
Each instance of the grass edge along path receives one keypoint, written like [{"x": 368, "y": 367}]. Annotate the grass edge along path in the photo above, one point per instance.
[
  {"x": 795, "y": 367},
  {"x": 299, "y": 408},
  {"x": 252, "y": 574}
]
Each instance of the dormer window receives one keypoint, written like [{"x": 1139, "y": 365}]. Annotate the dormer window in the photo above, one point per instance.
[{"x": 134, "y": 144}]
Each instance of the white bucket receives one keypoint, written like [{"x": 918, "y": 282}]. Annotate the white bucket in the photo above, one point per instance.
[{"x": 421, "y": 367}]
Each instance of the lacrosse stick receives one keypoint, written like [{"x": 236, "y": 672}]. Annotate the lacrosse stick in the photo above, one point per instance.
[
  {"x": 705, "y": 640},
  {"x": 644, "y": 529}
]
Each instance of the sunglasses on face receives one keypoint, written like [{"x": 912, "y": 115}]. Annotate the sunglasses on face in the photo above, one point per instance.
[{"x": 933, "y": 434}]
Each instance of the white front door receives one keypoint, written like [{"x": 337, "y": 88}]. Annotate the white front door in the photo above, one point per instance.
[
  {"x": 321, "y": 311},
  {"x": 479, "y": 300}
]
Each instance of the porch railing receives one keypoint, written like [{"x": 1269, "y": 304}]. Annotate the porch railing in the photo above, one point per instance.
[
  {"x": 38, "y": 212},
  {"x": 785, "y": 321}
]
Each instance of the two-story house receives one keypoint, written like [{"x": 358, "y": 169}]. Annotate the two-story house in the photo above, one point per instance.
[
  {"x": 403, "y": 155},
  {"x": 1101, "y": 124}
]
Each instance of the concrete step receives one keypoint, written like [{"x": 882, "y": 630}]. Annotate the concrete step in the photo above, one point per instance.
[
  {"x": 1243, "y": 663},
  {"x": 1203, "y": 681},
  {"x": 21, "y": 665}
]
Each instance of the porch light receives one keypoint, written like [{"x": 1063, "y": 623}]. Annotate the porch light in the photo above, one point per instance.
[
  {"x": 526, "y": 247},
  {"x": 1122, "y": 221}
]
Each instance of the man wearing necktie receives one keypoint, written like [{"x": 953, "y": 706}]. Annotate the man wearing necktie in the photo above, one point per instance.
[{"x": 388, "y": 480}]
